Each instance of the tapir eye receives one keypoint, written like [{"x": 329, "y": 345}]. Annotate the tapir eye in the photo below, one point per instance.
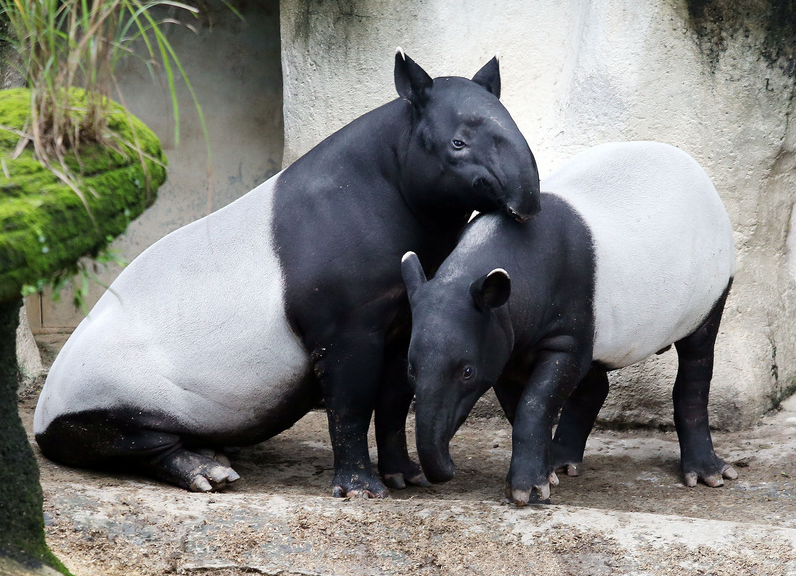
[
  {"x": 458, "y": 144},
  {"x": 468, "y": 372}
]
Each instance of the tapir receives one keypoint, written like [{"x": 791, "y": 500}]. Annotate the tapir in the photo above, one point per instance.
[
  {"x": 632, "y": 252},
  {"x": 228, "y": 330}
]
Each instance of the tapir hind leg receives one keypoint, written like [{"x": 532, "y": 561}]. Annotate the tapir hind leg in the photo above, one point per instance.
[
  {"x": 577, "y": 419},
  {"x": 698, "y": 461},
  {"x": 96, "y": 439}
]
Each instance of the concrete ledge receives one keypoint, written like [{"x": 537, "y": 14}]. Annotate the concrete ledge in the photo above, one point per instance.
[
  {"x": 628, "y": 513},
  {"x": 272, "y": 534}
]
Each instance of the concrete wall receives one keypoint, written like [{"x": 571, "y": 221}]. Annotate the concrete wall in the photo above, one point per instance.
[
  {"x": 234, "y": 67},
  {"x": 577, "y": 73}
]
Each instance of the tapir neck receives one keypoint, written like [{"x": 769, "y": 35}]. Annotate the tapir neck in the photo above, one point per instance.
[
  {"x": 550, "y": 260},
  {"x": 377, "y": 158},
  {"x": 366, "y": 149}
]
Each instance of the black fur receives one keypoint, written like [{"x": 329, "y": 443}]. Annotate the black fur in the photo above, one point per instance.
[
  {"x": 405, "y": 176},
  {"x": 545, "y": 331}
]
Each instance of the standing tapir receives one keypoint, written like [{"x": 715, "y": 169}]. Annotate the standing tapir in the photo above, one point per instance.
[
  {"x": 632, "y": 252},
  {"x": 228, "y": 330}
]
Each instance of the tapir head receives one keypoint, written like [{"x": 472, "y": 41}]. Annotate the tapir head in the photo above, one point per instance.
[
  {"x": 465, "y": 151},
  {"x": 461, "y": 340}
]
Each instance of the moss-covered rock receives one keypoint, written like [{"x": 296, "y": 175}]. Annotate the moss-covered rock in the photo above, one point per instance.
[{"x": 44, "y": 224}]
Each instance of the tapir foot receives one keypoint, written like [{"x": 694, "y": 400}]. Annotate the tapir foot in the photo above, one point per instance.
[
  {"x": 193, "y": 471},
  {"x": 569, "y": 469},
  {"x": 566, "y": 462},
  {"x": 399, "y": 481},
  {"x": 538, "y": 494},
  {"x": 409, "y": 473},
  {"x": 219, "y": 457},
  {"x": 712, "y": 479},
  {"x": 359, "y": 484}
]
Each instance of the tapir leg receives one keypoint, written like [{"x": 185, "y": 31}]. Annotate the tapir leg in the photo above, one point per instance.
[
  {"x": 392, "y": 407},
  {"x": 577, "y": 419},
  {"x": 698, "y": 461},
  {"x": 554, "y": 377},
  {"x": 349, "y": 371},
  {"x": 94, "y": 439}
]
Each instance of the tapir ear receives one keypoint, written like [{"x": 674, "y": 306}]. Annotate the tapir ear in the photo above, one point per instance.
[
  {"x": 411, "y": 80},
  {"x": 492, "y": 290},
  {"x": 412, "y": 271},
  {"x": 489, "y": 76}
]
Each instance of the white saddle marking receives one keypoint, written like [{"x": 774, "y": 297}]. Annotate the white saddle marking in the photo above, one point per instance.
[
  {"x": 663, "y": 242},
  {"x": 194, "y": 327}
]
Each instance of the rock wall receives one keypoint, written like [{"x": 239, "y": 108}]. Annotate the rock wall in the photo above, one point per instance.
[{"x": 707, "y": 76}]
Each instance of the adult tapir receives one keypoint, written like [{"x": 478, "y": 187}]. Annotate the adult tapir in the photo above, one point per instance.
[
  {"x": 228, "y": 330},
  {"x": 632, "y": 252}
]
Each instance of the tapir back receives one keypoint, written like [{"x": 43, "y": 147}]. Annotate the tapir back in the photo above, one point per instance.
[{"x": 663, "y": 244}]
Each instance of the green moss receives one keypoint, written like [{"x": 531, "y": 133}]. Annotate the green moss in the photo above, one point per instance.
[{"x": 44, "y": 225}]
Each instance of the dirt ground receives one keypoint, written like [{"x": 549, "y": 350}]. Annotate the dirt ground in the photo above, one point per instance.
[{"x": 627, "y": 513}]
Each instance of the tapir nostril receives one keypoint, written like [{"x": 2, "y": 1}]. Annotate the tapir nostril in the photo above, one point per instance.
[{"x": 517, "y": 216}]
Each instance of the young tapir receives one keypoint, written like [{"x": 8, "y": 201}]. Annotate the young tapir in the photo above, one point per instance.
[
  {"x": 632, "y": 252},
  {"x": 230, "y": 329}
]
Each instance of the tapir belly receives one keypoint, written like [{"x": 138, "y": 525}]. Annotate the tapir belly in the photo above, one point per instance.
[
  {"x": 663, "y": 244},
  {"x": 194, "y": 328}
]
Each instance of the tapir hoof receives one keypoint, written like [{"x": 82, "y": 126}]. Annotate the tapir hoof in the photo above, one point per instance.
[
  {"x": 691, "y": 478},
  {"x": 400, "y": 481},
  {"x": 569, "y": 469},
  {"x": 358, "y": 485},
  {"x": 193, "y": 471},
  {"x": 538, "y": 494}
]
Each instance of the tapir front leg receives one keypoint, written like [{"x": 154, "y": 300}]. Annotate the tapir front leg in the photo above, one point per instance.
[
  {"x": 392, "y": 408},
  {"x": 553, "y": 377},
  {"x": 349, "y": 369}
]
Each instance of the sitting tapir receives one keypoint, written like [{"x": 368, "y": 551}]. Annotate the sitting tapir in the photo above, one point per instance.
[
  {"x": 228, "y": 330},
  {"x": 632, "y": 252}
]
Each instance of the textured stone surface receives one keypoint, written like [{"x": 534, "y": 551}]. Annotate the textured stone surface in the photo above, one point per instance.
[
  {"x": 9, "y": 567},
  {"x": 21, "y": 521},
  {"x": 576, "y": 74},
  {"x": 28, "y": 356}
]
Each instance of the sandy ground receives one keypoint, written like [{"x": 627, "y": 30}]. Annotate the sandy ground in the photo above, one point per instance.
[{"x": 627, "y": 513}]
